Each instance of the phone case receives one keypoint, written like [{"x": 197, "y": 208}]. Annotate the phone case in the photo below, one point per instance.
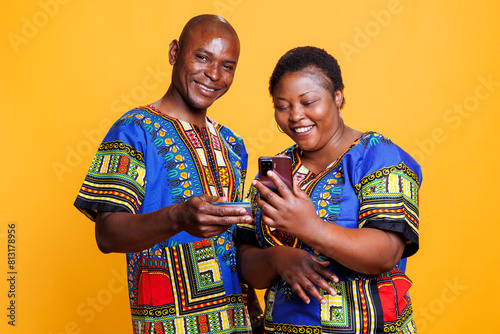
[{"x": 281, "y": 165}]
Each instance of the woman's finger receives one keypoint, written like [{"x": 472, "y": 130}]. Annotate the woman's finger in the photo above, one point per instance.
[
  {"x": 323, "y": 270},
  {"x": 306, "y": 288},
  {"x": 283, "y": 189},
  {"x": 266, "y": 208},
  {"x": 298, "y": 191},
  {"x": 265, "y": 193},
  {"x": 300, "y": 292},
  {"x": 320, "y": 282}
]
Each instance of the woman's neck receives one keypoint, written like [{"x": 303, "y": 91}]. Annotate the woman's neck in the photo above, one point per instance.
[{"x": 317, "y": 161}]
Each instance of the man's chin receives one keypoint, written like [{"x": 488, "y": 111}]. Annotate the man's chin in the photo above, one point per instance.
[{"x": 203, "y": 104}]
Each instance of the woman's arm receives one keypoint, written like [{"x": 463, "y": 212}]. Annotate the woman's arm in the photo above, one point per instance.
[
  {"x": 260, "y": 267},
  {"x": 365, "y": 250}
]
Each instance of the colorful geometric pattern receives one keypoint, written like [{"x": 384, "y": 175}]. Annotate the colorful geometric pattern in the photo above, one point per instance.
[
  {"x": 389, "y": 196},
  {"x": 148, "y": 161},
  {"x": 390, "y": 192},
  {"x": 352, "y": 310},
  {"x": 196, "y": 279},
  {"x": 373, "y": 184},
  {"x": 127, "y": 187},
  {"x": 201, "y": 145},
  {"x": 207, "y": 322}
]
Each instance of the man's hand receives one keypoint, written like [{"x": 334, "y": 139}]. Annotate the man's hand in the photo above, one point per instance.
[
  {"x": 200, "y": 218},
  {"x": 125, "y": 232}
]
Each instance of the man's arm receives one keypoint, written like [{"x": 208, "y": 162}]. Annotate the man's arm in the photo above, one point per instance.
[{"x": 123, "y": 232}]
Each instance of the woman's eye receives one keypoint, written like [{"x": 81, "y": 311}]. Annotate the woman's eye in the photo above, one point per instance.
[{"x": 307, "y": 103}]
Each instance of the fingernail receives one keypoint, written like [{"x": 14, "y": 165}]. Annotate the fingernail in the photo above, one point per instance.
[{"x": 323, "y": 301}]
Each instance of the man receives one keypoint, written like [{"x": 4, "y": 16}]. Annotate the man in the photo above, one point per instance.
[{"x": 151, "y": 187}]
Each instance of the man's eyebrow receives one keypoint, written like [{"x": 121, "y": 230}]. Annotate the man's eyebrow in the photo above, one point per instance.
[
  {"x": 211, "y": 54},
  {"x": 204, "y": 51}
]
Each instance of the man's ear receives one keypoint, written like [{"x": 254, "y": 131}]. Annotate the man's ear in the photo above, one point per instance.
[{"x": 173, "y": 51}]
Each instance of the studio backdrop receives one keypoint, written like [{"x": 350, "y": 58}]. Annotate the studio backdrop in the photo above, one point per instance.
[{"x": 423, "y": 73}]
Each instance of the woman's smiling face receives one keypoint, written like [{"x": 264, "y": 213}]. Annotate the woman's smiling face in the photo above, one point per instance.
[{"x": 305, "y": 109}]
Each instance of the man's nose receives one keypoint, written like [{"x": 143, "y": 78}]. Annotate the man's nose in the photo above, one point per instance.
[{"x": 213, "y": 72}]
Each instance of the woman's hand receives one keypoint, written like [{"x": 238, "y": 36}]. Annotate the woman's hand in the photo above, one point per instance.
[
  {"x": 304, "y": 273},
  {"x": 290, "y": 212},
  {"x": 260, "y": 267},
  {"x": 366, "y": 250}
]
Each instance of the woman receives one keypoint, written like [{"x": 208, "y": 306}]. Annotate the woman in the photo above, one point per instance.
[{"x": 343, "y": 234}]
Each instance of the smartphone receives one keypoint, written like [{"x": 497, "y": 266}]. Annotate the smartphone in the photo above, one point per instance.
[{"x": 281, "y": 165}]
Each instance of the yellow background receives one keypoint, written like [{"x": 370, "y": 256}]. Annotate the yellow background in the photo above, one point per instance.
[{"x": 424, "y": 73}]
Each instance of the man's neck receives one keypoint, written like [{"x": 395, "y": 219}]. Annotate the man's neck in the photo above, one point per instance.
[{"x": 173, "y": 104}]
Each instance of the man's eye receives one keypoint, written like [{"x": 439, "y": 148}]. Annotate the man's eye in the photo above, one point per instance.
[{"x": 202, "y": 58}]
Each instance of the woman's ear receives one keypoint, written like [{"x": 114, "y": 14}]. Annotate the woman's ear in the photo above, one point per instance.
[{"x": 339, "y": 98}]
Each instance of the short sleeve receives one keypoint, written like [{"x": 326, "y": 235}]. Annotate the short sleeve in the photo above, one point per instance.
[
  {"x": 116, "y": 179},
  {"x": 388, "y": 191}
]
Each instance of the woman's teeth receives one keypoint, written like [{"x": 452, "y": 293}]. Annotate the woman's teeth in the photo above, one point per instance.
[{"x": 304, "y": 129}]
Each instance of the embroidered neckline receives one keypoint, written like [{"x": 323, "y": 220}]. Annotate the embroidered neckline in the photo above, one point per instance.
[
  {"x": 304, "y": 175},
  {"x": 152, "y": 109},
  {"x": 212, "y": 159}
]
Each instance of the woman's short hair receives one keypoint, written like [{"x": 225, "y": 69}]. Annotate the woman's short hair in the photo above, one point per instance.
[{"x": 302, "y": 57}]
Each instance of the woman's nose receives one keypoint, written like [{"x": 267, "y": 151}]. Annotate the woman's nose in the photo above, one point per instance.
[{"x": 296, "y": 114}]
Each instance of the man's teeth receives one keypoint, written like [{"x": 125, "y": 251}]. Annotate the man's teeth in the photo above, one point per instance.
[
  {"x": 205, "y": 87},
  {"x": 301, "y": 130}
]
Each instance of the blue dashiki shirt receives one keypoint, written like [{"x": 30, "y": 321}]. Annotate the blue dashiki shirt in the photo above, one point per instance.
[
  {"x": 148, "y": 161},
  {"x": 373, "y": 184}
]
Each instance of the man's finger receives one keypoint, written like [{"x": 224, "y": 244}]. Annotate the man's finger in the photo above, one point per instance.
[
  {"x": 210, "y": 199},
  {"x": 228, "y": 210}
]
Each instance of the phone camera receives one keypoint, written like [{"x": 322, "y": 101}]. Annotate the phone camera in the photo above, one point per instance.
[{"x": 267, "y": 165}]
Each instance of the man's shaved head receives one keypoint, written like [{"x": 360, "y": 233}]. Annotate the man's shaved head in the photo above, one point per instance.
[
  {"x": 204, "y": 61},
  {"x": 207, "y": 22}
]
